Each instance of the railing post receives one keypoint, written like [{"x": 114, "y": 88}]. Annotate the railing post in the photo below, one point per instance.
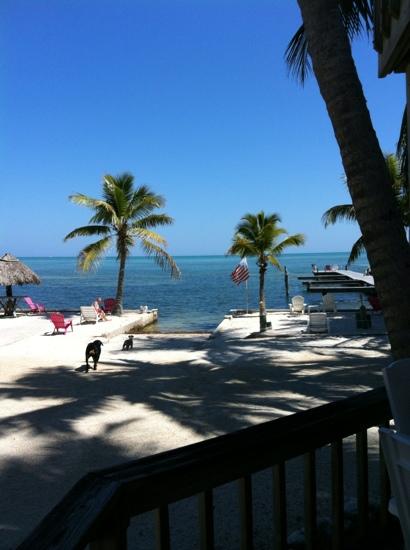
[
  {"x": 385, "y": 490},
  {"x": 246, "y": 516},
  {"x": 362, "y": 483},
  {"x": 279, "y": 507},
  {"x": 337, "y": 494},
  {"x": 162, "y": 528},
  {"x": 206, "y": 520},
  {"x": 310, "y": 500}
]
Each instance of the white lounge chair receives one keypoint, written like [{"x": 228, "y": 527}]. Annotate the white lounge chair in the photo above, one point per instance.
[
  {"x": 88, "y": 314},
  {"x": 397, "y": 381},
  {"x": 297, "y": 305},
  {"x": 396, "y": 451},
  {"x": 318, "y": 322},
  {"x": 328, "y": 303}
]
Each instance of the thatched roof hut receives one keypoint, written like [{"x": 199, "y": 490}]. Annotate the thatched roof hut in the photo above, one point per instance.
[{"x": 14, "y": 272}]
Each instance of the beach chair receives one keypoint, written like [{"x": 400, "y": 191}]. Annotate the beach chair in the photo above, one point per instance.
[
  {"x": 328, "y": 303},
  {"x": 109, "y": 304},
  {"x": 34, "y": 308},
  {"x": 318, "y": 322},
  {"x": 297, "y": 304},
  {"x": 88, "y": 314},
  {"x": 396, "y": 451},
  {"x": 397, "y": 381},
  {"x": 60, "y": 323}
]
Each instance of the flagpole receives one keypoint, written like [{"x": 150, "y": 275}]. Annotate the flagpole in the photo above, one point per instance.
[{"x": 247, "y": 296}]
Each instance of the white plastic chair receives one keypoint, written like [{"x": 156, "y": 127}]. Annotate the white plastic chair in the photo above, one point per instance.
[
  {"x": 397, "y": 381},
  {"x": 396, "y": 450},
  {"x": 329, "y": 303},
  {"x": 318, "y": 322},
  {"x": 88, "y": 314},
  {"x": 298, "y": 305}
]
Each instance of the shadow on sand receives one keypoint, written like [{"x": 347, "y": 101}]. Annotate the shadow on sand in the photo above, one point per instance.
[{"x": 71, "y": 427}]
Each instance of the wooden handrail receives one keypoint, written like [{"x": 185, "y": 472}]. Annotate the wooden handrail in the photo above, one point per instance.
[{"x": 113, "y": 495}]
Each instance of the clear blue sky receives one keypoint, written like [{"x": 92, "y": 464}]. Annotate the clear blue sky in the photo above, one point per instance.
[{"x": 191, "y": 96}]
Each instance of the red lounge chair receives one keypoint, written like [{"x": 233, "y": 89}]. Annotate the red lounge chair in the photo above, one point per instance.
[
  {"x": 34, "y": 308},
  {"x": 109, "y": 305},
  {"x": 60, "y": 323}
]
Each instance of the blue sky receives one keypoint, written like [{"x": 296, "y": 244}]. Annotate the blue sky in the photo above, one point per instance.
[{"x": 191, "y": 96}]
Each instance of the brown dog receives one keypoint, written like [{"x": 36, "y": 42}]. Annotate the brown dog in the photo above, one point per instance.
[
  {"x": 93, "y": 350},
  {"x": 128, "y": 343}
]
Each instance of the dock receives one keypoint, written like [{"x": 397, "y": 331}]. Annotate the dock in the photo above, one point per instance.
[{"x": 338, "y": 280}]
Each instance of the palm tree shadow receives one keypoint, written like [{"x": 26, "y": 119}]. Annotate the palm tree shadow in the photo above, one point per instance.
[{"x": 129, "y": 407}]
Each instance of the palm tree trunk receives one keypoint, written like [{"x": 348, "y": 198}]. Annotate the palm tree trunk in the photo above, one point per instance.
[
  {"x": 383, "y": 232},
  {"x": 120, "y": 284},
  {"x": 262, "y": 308}
]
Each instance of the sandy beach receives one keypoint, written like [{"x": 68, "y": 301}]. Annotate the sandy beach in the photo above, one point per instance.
[{"x": 58, "y": 422}]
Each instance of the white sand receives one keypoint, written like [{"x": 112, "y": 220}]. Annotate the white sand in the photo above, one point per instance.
[{"x": 58, "y": 422}]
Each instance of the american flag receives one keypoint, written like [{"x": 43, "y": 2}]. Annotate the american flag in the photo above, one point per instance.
[{"x": 241, "y": 272}]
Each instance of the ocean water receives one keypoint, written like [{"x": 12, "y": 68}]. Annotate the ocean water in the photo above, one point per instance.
[{"x": 196, "y": 302}]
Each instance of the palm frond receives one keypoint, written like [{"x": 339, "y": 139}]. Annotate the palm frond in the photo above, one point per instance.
[
  {"x": 88, "y": 231},
  {"x": 84, "y": 200},
  {"x": 357, "y": 18},
  {"x": 153, "y": 220},
  {"x": 357, "y": 250},
  {"x": 91, "y": 255},
  {"x": 143, "y": 202},
  {"x": 123, "y": 182},
  {"x": 293, "y": 240},
  {"x": 402, "y": 150},
  {"x": 242, "y": 246},
  {"x": 161, "y": 258},
  {"x": 274, "y": 261},
  {"x": 297, "y": 56},
  {"x": 104, "y": 212},
  {"x": 338, "y": 213},
  {"x": 142, "y": 233}
]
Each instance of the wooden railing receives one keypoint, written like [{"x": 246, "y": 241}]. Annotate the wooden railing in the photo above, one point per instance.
[{"x": 98, "y": 508}]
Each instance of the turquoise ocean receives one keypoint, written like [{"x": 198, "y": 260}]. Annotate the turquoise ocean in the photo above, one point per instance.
[{"x": 196, "y": 302}]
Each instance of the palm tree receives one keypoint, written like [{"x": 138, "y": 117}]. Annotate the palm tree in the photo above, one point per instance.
[
  {"x": 123, "y": 217},
  {"x": 346, "y": 212},
  {"x": 257, "y": 235},
  {"x": 358, "y": 19},
  {"x": 372, "y": 195}
]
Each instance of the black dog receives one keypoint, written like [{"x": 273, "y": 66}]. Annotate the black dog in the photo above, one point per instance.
[
  {"x": 128, "y": 343},
  {"x": 93, "y": 350}
]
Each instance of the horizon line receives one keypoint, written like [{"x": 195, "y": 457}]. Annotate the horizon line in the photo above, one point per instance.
[{"x": 190, "y": 255}]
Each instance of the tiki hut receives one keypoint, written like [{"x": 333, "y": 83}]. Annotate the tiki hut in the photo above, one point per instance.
[{"x": 13, "y": 272}]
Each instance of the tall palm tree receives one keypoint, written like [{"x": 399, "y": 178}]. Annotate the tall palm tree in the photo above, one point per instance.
[
  {"x": 123, "y": 217},
  {"x": 346, "y": 212},
  {"x": 358, "y": 19},
  {"x": 375, "y": 206},
  {"x": 257, "y": 235}
]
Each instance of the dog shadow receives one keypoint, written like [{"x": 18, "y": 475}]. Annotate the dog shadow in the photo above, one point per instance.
[{"x": 83, "y": 368}]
